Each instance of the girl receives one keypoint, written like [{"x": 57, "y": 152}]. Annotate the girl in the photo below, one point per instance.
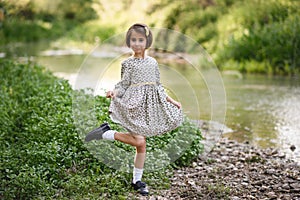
[{"x": 139, "y": 103}]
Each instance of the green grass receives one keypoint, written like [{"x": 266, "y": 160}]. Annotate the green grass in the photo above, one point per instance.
[{"x": 41, "y": 148}]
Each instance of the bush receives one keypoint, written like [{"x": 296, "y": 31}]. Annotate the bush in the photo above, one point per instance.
[
  {"x": 247, "y": 32},
  {"x": 276, "y": 43},
  {"x": 39, "y": 145},
  {"x": 42, "y": 154}
]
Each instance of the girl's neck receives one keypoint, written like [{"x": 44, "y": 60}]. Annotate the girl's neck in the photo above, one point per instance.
[{"x": 139, "y": 55}]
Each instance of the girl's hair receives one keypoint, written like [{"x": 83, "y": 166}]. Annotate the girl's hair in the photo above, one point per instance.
[{"x": 140, "y": 28}]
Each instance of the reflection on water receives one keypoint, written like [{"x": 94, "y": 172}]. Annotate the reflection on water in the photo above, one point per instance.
[
  {"x": 265, "y": 111},
  {"x": 262, "y": 110}
]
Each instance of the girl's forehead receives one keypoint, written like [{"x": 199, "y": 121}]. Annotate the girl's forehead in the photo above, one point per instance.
[{"x": 137, "y": 34}]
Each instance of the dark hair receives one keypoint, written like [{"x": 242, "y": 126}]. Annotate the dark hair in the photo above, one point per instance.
[{"x": 140, "y": 28}]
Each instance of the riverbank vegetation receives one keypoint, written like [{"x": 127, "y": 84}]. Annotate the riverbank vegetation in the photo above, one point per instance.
[
  {"x": 249, "y": 36},
  {"x": 41, "y": 147},
  {"x": 31, "y": 21}
]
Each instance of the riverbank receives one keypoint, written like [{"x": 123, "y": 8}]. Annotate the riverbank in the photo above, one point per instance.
[{"x": 235, "y": 170}]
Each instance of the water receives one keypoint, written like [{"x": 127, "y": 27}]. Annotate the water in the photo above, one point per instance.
[{"x": 264, "y": 111}]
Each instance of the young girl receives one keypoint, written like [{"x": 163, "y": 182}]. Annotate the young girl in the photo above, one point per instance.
[{"x": 139, "y": 103}]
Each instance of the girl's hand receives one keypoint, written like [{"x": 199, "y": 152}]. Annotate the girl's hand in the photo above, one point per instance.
[
  {"x": 110, "y": 94},
  {"x": 176, "y": 103}
]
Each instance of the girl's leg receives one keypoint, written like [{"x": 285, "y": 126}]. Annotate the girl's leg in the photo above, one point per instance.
[
  {"x": 133, "y": 140},
  {"x": 139, "y": 160},
  {"x": 139, "y": 142},
  {"x": 140, "y": 155}
]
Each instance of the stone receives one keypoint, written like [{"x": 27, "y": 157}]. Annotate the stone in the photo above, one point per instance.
[
  {"x": 295, "y": 185},
  {"x": 292, "y": 147},
  {"x": 268, "y": 177},
  {"x": 244, "y": 184},
  {"x": 286, "y": 186},
  {"x": 271, "y": 195}
]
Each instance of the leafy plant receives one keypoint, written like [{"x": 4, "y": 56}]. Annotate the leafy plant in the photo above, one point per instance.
[{"x": 41, "y": 147}]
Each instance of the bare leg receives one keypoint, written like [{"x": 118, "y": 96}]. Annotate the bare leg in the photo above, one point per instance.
[
  {"x": 139, "y": 142},
  {"x": 140, "y": 155}
]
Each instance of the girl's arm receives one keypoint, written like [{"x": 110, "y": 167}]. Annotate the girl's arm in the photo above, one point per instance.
[
  {"x": 123, "y": 84},
  {"x": 176, "y": 103}
]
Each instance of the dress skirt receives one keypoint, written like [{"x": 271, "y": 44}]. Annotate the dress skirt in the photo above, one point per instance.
[{"x": 140, "y": 104}]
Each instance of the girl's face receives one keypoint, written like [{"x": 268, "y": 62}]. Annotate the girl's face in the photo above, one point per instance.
[{"x": 138, "y": 43}]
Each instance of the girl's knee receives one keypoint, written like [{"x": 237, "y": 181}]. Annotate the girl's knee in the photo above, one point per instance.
[{"x": 140, "y": 142}]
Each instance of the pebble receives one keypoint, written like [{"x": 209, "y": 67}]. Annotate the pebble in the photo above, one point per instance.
[
  {"x": 293, "y": 147},
  {"x": 243, "y": 172},
  {"x": 286, "y": 186},
  {"x": 245, "y": 184}
]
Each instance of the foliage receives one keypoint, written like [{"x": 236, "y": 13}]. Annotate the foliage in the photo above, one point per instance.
[
  {"x": 42, "y": 154},
  {"x": 78, "y": 10},
  {"x": 40, "y": 150},
  {"x": 277, "y": 43},
  {"x": 24, "y": 23},
  {"x": 242, "y": 31},
  {"x": 91, "y": 31}
]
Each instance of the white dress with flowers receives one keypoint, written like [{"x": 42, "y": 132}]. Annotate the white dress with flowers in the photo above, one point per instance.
[{"x": 140, "y": 103}]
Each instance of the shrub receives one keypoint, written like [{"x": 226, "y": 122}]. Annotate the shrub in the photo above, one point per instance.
[
  {"x": 42, "y": 154},
  {"x": 276, "y": 43}
]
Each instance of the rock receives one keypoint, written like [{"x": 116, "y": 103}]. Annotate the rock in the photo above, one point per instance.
[
  {"x": 292, "y": 147},
  {"x": 281, "y": 156},
  {"x": 250, "y": 197},
  {"x": 272, "y": 195},
  {"x": 194, "y": 164},
  {"x": 295, "y": 185},
  {"x": 245, "y": 184},
  {"x": 270, "y": 171},
  {"x": 224, "y": 158},
  {"x": 264, "y": 188},
  {"x": 242, "y": 172},
  {"x": 286, "y": 186}
]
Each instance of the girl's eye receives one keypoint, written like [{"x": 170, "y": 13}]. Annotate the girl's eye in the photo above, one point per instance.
[{"x": 140, "y": 40}]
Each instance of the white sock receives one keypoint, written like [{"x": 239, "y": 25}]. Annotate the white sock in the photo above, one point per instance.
[
  {"x": 109, "y": 135},
  {"x": 137, "y": 174}
]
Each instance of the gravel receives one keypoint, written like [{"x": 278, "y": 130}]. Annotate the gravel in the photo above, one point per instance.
[{"x": 234, "y": 171}]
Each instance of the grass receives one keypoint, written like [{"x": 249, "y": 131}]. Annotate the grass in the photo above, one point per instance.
[{"x": 42, "y": 152}]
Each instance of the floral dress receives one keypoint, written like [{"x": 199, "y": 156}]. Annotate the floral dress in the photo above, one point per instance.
[{"x": 140, "y": 103}]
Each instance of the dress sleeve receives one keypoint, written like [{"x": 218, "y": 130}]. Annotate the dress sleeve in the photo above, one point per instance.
[{"x": 125, "y": 82}]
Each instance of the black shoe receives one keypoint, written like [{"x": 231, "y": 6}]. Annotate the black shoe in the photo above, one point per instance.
[
  {"x": 104, "y": 125},
  {"x": 97, "y": 133},
  {"x": 141, "y": 188}
]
